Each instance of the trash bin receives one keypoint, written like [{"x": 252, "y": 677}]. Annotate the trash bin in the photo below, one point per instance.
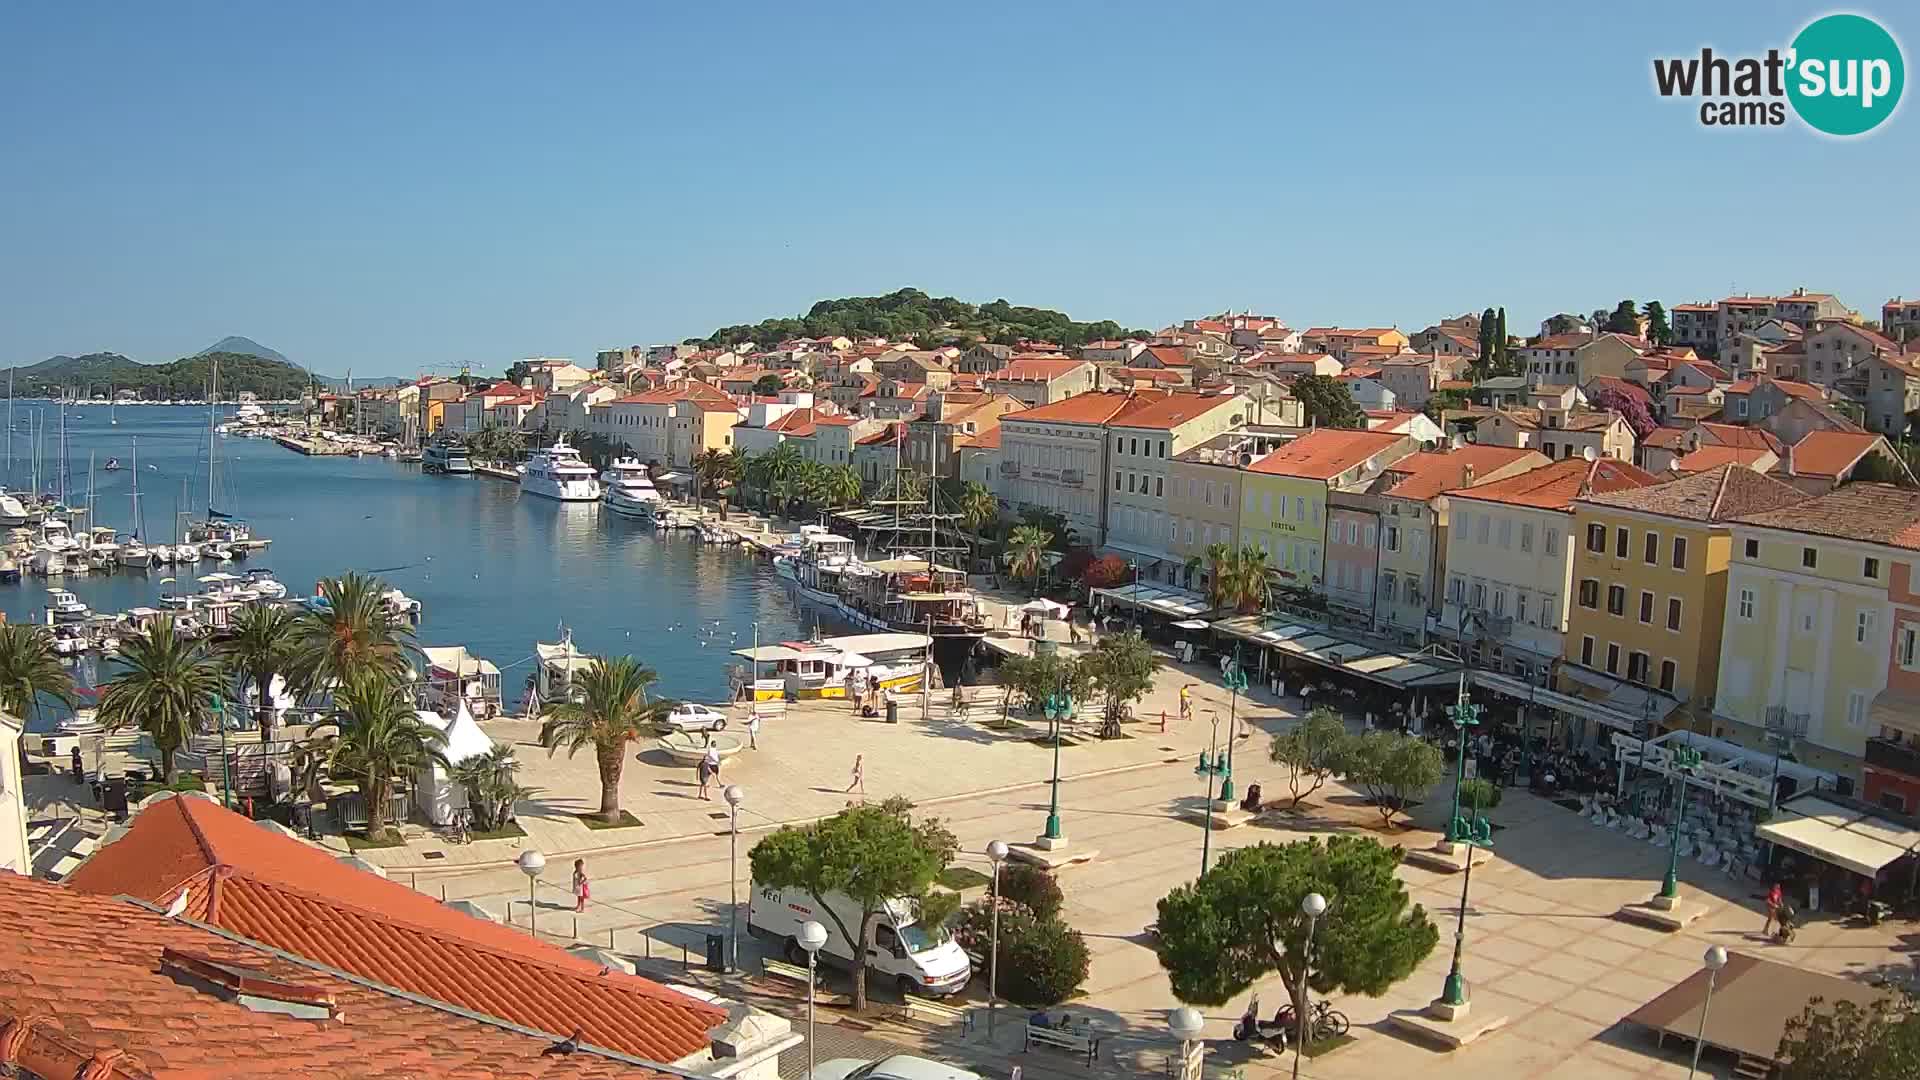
[
  {"x": 893, "y": 710},
  {"x": 716, "y": 952}
]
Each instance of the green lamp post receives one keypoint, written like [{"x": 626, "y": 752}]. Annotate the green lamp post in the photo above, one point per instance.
[
  {"x": 1475, "y": 833},
  {"x": 1685, "y": 760},
  {"x": 1465, "y": 716},
  {"x": 1236, "y": 683},
  {"x": 1212, "y": 765},
  {"x": 1057, "y": 707}
]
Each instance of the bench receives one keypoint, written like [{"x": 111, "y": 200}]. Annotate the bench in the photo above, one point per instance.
[
  {"x": 919, "y": 1008},
  {"x": 779, "y": 970},
  {"x": 1081, "y": 1045}
]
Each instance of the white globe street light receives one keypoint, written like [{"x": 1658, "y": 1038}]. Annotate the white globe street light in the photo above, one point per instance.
[
  {"x": 1715, "y": 959},
  {"x": 736, "y": 797},
  {"x": 996, "y": 854},
  {"x": 532, "y": 864},
  {"x": 812, "y": 937},
  {"x": 1186, "y": 1023},
  {"x": 1313, "y": 905}
]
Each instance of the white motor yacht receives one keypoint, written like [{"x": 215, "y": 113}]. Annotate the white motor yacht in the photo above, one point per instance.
[
  {"x": 629, "y": 490},
  {"x": 12, "y": 511},
  {"x": 48, "y": 561},
  {"x": 558, "y": 473},
  {"x": 66, "y": 607},
  {"x": 261, "y": 581}
]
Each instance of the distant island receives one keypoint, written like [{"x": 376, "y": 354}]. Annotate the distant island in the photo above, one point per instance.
[
  {"x": 245, "y": 367},
  {"x": 909, "y": 314}
]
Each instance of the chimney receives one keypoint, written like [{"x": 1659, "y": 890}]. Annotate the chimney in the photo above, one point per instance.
[{"x": 1469, "y": 475}]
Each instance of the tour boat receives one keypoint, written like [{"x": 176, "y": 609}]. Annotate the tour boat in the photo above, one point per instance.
[
  {"x": 445, "y": 456},
  {"x": 558, "y": 473},
  {"x": 824, "y": 667},
  {"x": 629, "y": 491}
]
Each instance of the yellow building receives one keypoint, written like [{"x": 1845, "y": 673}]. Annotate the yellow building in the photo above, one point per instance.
[
  {"x": 1650, "y": 584},
  {"x": 1811, "y": 622},
  {"x": 1283, "y": 508}
]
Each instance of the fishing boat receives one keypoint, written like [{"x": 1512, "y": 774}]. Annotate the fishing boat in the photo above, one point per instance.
[
  {"x": 826, "y": 667},
  {"x": 629, "y": 490},
  {"x": 816, "y": 566},
  {"x": 558, "y": 473}
]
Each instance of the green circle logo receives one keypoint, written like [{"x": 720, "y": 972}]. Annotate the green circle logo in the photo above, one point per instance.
[{"x": 1847, "y": 74}]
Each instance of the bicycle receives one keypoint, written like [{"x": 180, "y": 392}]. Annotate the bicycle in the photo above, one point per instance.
[
  {"x": 457, "y": 828},
  {"x": 1328, "y": 1022}
]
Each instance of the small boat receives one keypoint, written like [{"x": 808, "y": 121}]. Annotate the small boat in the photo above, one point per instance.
[
  {"x": 13, "y": 512},
  {"x": 9, "y": 570},
  {"x": 261, "y": 580},
  {"x": 64, "y": 607},
  {"x": 444, "y": 455},
  {"x": 112, "y": 465},
  {"x": 137, "y": 555},
  {"x": 48, "y": 561}
]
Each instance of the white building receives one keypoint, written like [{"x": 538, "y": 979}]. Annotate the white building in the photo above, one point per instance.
[{"x": 14, "y": 853}]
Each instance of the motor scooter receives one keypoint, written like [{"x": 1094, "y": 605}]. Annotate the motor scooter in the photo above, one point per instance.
[{"x": 1274, "y": 1033}]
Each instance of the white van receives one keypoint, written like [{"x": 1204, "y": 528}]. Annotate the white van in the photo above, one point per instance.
[{"x": 918, "y": 960}]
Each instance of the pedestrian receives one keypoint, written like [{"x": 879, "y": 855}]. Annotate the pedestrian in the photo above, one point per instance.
[
  {"x": 1186, "y": 702},
  {"x": 709, "y": 769},
  {"x": 753, "y": 731},
  {"x": 859, "y": 774},
  {"x": 1775, "y": 897},
  {"x": 579, "y": 885}
]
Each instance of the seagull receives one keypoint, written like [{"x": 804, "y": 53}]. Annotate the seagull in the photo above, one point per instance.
[
  {"x": 565, "y": 1046},
  {"x": 179, "y": 904}
]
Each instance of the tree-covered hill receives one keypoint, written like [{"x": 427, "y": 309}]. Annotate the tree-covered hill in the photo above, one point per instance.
[
  {"x": 97, "y": 373},
  {"x": 909, "y": 314}
]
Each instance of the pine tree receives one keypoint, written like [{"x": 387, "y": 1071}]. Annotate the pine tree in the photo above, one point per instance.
[
  {"x": 1658, "y": 331},
  {"x": 1625, "y": 319},
  {"x": 1500, "y": 340}
]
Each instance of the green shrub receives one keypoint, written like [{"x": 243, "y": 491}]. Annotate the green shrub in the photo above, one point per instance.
[
  {"x": 1042, "y": 961},
  {"x": 1478, "y": 794},
  {"x": 1025, "y": 883}
]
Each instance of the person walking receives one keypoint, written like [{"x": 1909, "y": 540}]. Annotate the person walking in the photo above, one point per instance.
[
  {"x": 709, "y": 768},
  {"x": 859, "y": 775},
  {"x": 580, "y": 888},
  {"x": 753, "y": 731},
  {"x": 1775, "y": 897}
]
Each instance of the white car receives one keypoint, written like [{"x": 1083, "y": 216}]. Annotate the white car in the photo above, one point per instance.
[
  {"x": 897, "y": 1067},
  {"x": 692, "y": 717}
]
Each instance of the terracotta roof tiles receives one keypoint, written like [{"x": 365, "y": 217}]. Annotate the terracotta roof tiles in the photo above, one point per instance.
[
  {"x": 1325, "y": 453},
  {"x": 1872, "y": 513},
  {"x": 288, "y": 894},
  {"x": 1713, "y": 455},
  {"x": 1168, "y": 411},
  {"x": 1830, "y": 453},
  {"x": 1725, "y": 491},
  {"x": 1424, "y": 475},
  {"x": 1556, "y": 486}
]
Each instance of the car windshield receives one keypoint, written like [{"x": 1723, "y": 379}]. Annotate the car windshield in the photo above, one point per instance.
[
  {"x": 863, "y": 1071},
  {"x": 917, "y": 939}
]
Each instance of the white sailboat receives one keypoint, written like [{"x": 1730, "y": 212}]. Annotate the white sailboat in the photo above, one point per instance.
[{"x": 135, "y": 553}]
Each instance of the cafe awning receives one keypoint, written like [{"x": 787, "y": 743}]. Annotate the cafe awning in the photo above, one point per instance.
[
  {"x": 1850, "y": 838},
  {"x": 1168, "y": 601},
  {"x": 1337, "y": 652}
]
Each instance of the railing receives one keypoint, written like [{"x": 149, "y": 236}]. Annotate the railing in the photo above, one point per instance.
[
  {"x": 1795, "y": 723},
  {"x": 1900, "y": 757},
  {"x": 1072, "y": 476}
]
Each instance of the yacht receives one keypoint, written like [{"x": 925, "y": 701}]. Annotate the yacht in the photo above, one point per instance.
[
  {"x": 558, "y": 473},
  {"x": 629, "y": 491},
  {"x": 249, "y": 413},
  {"x": 13, "y": 512},
  {"x": 138, "y": 555},
  {"x": 261, "y": 580},
  {"x": 445, "y": 456}
]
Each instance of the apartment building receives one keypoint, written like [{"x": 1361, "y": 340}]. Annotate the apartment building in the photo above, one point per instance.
[
  {"x": 1900, "y": 320},
  {"x": 1835, "y": 349},
  {"x": 1042, "y": 380},
  {"x": 1736, "y": 315},
  {"x": 1510, "y": 561},
  {"x": 1340, "y": 342},
  {"x": 1284, "y": 498},
  {"x": 1054, "y": 458},
  {"x": 1143, "y": 440},
  {"x": 1650, "y": 580},
  {"x": 1809, "y": 643},
  {"x": 933, "y": 437},
  {"x": 1892, "y": 392},
  {"x": 1550, "y": 360},
  {"x": 1558, "y": 432},
  {"x": 1695, "y": 326}
]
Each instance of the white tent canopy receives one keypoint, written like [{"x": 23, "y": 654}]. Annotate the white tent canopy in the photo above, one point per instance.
[
  {"x": 434, "y": 792},
  {"x": 1852, "y": 839}
]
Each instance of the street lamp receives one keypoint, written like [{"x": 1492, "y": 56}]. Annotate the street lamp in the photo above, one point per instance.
[
  {"x": 996, "y": 854},
  {"x": 1236, "y": 683},
  {"x": 1475, "y": 833},
  {"x": 1186, "y": 1023},
  {"x": 1715, "y": 959},
  {"x": 1313, "y": 905},
  {"x": 531, "y": 863},
  {"x": 1057, "y": 707},
  {"x": 1465, "y": 716},
  {"x": 812, "y": 936},
  {"x": 1211, "y": 765},
  {"x": 1685, "y": 760},
  {"x": 736, "y": 797}
]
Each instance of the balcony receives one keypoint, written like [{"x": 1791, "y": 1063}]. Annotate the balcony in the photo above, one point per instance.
[
  {"x": 1796, "y": 724},
  {"x": 1903, "y": 758},
  {"x": 1072, "y": 476}
]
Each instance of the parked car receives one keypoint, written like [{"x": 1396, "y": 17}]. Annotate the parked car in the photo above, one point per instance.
[
  {"x": 897, "y": 1067},
  {"x": 692, "y": 717}
]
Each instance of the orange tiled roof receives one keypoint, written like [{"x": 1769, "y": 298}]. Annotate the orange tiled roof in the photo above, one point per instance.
[
  {"x": 1736, "y": 435},
  {"x": 1830, "y": 453},
  {"x": 1712, "y": 456},
  {"x": 89, "y": 991},
  {"x": 1871, "y": 513},
  {"x": 1325, "y": 454},
  {"x": 1727, "y": 490},
  {"x": 1152, "y": 375},
  {"x": 1168, "y": 411},
  {"x": 1424, "y": 475},
  {"x": 1092, "y": 408},
  {"x": 282, "y": 892},
  {"x": 1170, "y": 355},
  {"x": 1555, "y": 486},
  {"x": 985, "y": 440},
  {"x": 1037, "y": 368}
]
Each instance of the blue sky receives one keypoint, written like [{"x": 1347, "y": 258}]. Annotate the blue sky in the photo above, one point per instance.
[{"x": 401, "y": 187}]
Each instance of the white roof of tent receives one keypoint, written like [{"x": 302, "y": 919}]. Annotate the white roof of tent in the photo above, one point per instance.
[
  {"x": 1840, "y": 835},
  {"x": 464, "y": 737}
]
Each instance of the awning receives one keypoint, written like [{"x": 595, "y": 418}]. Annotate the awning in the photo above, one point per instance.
[
  {"x": 1726, "y": 769},
  {"x": 1365, "y": 659},
  {"x": 1190, "y": 624},
  {"x": 1892, "y": 709},
  {"x": 1178, "y": 602},
  {"x": 1853, "y": 839},
  {"x": 671, "y": 478}
]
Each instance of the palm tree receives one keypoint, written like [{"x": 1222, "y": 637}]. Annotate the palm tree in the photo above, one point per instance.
[
  {"x": 166, "y": 687},
  {"x": 841, "y": 485},
  {"x": 1223, "y": 572},
  {"x": 1252, "y": 588},
  {"x": 1027, "y": 545},
  {"x": 711, "y": 470},
  {"x": 490, "y": 786},
  {"x": 262, "y": 646},
  {"x": 976, "y": 505},
  {"x": 350, "y": 630},
  {"x": 379, "y": 735},
  {"x": 608, "y": 710},
  {"x": 28, "y": 668}
]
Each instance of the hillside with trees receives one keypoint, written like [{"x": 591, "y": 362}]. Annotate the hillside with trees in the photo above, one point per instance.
[
  {"x": 909, "y": 314},
  {"x": 97, "y": 373}
]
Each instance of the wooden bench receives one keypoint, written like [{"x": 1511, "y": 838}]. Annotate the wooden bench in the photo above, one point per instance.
[
  {"x": 919, "y": 1008},
  {"x": 780, "y": 970},
  {"x": 1081, "y": 1045}
]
